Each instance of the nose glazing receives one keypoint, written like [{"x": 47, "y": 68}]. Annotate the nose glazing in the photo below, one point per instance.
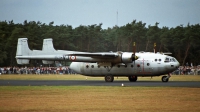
[{"x": 177, "y": 64}]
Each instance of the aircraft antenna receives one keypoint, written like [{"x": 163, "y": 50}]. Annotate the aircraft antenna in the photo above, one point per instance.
[{"x": 117, "y": 18}]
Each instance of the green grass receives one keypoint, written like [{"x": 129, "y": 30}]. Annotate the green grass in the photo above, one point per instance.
[
  {"x": 98, "y": 98},
  {"x": 101, "y": 98}
]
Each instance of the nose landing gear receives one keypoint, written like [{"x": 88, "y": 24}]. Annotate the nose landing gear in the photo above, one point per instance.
[{"x": 166, "y": 78}]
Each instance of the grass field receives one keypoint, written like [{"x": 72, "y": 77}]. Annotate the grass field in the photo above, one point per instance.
[
  {"x": 97, "y": 98},
  {"x": 91, "y": 98}
]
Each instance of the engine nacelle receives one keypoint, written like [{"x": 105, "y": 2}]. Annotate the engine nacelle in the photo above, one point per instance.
[{"x": 127, "y": 57}]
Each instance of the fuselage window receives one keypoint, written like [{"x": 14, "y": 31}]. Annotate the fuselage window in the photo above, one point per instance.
[
  {"x": 155, "y": 59},
  {"x": 148, "y": 64},
  {"x": 87, "y": 66},
  {"x": 92, "y": 66},
  {"x": 159, "y": 59}
]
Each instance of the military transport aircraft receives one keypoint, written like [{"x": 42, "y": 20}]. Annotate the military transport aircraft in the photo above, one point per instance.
[{"x": 105, "y": 64}]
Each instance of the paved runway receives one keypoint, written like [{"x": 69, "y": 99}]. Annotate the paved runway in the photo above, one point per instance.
[{"x": 97, "y": 83}]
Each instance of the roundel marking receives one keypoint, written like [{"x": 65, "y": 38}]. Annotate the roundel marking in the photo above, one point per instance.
[{"x": 72, "y": 58}]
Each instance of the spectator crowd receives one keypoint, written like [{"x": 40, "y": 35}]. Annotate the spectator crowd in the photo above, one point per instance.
[
  {"x": 36, "y": 70},
  {"x": 182, "y": 70},
  {"x": 187, "y": 70}
]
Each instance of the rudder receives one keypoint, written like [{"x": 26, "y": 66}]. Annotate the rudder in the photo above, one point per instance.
[
  {"x": 47, "y": 48},
  {"x": 22, "y": 49},
  {"x": 48, "y": 45}
]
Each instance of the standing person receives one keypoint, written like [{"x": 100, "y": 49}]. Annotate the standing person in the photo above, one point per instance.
[
  {"x": 67, "y": 70},
  {"x": 38, "y": 70},
  {"x": 61, "y": 70},
  {"x": 8, "y": 70},
  {"x": 184, "y": 70},
  {"x": 25, "y": 69},
  {"x": 14, "y": 70},
  {"x": 55, "y": 70},
  {"x": 58, "y": 70},
  {"x": 64, "y": 69},
  {"x": 195, "y": 70},
  {"x": 0, "y": 71},
  {"x": 186, "y": 64},
  {"x": 11, "y": 70}
]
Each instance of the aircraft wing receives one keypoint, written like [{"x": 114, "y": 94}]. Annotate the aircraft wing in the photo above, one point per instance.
[{"x": 48, "y": 53}]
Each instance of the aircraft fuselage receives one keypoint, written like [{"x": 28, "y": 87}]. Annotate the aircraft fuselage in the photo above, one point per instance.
[{"x": 148, "y": 64}]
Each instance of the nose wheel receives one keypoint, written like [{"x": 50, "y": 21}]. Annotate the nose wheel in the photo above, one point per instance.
[{"x": 166, "y": 78}]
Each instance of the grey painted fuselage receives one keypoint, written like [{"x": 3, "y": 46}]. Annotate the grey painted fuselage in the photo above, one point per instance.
[{"x": 148, "y": 64}]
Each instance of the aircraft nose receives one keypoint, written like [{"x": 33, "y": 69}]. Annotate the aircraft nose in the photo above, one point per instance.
[
  {"x": 75, "y": 66},
  {"x": 177, "y": 65}
]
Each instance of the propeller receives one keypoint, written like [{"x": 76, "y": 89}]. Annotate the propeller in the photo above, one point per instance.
[
  {"x": 154, "y": 47},
  {"x": 134, "y": 49}
]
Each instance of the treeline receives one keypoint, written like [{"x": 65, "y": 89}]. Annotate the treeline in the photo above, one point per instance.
[{"x": 182, "y": 41}]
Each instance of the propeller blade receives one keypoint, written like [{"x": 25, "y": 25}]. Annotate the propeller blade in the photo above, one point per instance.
[
  {"x": 135, "y": 57},
  {"x": 154, "y": 47},
  {"x": 134, "y": 48}
]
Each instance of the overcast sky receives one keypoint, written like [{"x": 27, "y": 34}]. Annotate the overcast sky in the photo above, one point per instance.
[{"x": 170, "y": 13}]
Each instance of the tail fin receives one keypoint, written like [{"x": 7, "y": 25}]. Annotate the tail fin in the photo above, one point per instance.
[
  {"x": 48, "y": 45},
  {"x": 22, "y": 49}
]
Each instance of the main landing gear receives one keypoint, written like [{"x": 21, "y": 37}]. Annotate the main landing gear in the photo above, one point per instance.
[
  {"x": 132, "y": 78},
  {"x": 109, "y": 78},
  {"x": 166, "y": 78}
]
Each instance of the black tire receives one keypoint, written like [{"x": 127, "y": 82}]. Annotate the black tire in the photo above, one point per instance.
[
  {"x": 132, "y": 78},
  {"x": 109, "y": 78},
  {"x": 165, "y": 79}
]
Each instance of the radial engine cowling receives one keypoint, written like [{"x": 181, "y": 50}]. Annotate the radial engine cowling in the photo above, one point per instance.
[{"x": 127, "y": 57}]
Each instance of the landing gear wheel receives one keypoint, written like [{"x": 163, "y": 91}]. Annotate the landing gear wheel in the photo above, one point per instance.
[
  {"x": 109, "y": 78},
  {"x": 165, "y": 79},
  {"x": 132, "y": 78}
]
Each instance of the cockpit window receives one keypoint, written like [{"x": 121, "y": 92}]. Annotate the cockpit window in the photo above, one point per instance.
[
  {"x": 166, "y": 59},
  {"x": 170, "y": 60},
  {"x": 173, "y": 59}
]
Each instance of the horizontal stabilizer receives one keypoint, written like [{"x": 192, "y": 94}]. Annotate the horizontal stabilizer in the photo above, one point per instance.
[{"x": 23, "y": 61}]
